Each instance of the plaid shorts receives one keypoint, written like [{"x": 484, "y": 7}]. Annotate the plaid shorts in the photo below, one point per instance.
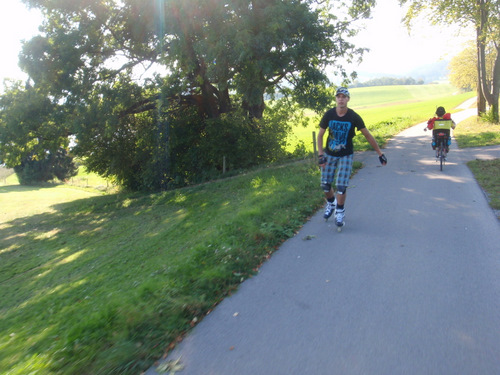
[{"x": 341, "y": 165}]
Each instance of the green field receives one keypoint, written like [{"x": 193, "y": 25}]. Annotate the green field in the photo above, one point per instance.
[
  {"x": 387, "y": 110},
  {"x": 369, "y": 97},
  {"x": 94, "y": 283}
]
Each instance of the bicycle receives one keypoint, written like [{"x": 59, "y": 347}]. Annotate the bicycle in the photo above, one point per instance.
[
  {"x": 441, "y": 148},
  {"x": 441, "y": 133}
]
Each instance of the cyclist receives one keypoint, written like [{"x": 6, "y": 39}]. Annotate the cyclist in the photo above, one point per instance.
[{"x": 442, "y": 124}]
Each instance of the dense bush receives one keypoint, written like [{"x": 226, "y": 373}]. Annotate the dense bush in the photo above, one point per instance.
[
  {"x": 55, "y": 165},
  {"x": 191, "y": 150}
]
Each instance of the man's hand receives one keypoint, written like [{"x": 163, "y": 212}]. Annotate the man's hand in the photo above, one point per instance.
[
  {"x": 383, "y": 159},
  {"x": 322, "y": 160}
]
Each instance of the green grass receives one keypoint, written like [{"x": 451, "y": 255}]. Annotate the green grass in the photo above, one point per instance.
[
  {"x": 487, "y": 174},
  {"x": 8, "y": 177},
  {"x": 386, "y": 110},
  {"x": 103, "y": 284},
  {"x": 83, "y": 180},
  {"x": 22, "y": 201},
  {"x": 474, "y": 132},
  {"x": 369, "y": 97},
  {"x": 91, "y": 180},
  {"x": 4, "y": 174}
]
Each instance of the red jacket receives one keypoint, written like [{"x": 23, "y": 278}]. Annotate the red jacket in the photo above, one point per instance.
[{"x": 430, "y": 123}]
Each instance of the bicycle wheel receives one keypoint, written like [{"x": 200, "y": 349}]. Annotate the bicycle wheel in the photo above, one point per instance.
[{"x": 441, "y": 156}]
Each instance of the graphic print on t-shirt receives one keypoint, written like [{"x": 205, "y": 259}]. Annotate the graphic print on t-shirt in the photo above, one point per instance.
[{"x": 337, "y": 139}]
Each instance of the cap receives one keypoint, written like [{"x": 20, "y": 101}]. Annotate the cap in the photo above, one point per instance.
[{"x": 343, "y": 90}]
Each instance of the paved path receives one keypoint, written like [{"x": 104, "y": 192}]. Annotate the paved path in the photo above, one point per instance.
[{"x": 411, "y": 286}]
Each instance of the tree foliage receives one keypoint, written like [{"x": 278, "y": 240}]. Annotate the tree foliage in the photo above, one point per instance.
[
  {"x": 132, "y": 79},
  {"x": 53, "y": 165},
  {"x": 388, "y": 81},
  {"x": 484, "y": 16},
  {"x": 209, "y": 48},
  {"x": 463, "y": 67},
  {"x": 31, "y": 140}
]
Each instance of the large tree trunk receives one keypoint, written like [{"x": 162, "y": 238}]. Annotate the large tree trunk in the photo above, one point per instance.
[
  {"x": 224, "y": 101},
  {"x": 209, "y": 99},
  {"x": 496, "y": 88},
  {"x": 254, "y": 110},
  {"x": 481, "y": 60},
  {"x": 480, "y": 101},
  {"x": 197, "y": 69},
  {"x": 489, "y": 90}
]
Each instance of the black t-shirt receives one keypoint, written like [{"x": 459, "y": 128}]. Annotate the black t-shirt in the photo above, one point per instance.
[{"x": 341, "y": 131}]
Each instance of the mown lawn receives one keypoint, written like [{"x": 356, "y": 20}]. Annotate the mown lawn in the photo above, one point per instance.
[
  {"x": 103, "y": 284},
  {"x": 475, "y": 132}
]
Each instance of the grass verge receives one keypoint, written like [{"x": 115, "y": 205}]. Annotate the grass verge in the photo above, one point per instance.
[
  {"x": 475, "y": 132},
  {"x": 487, "y": 174}
]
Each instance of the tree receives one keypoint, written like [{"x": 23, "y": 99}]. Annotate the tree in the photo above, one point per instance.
[
  {"x": 209, "y": 47},
  {"x": 58, "y": 165},
  {"x": 388, "y": 81},
  {"x": 31, "y": 138},
  {"x": 127, "y": 73},
  {"x": 463, "y": 67},
  {"x": 484, "y": 16}
]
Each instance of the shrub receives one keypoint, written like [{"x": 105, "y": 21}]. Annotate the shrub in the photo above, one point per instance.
[{"x": 55, "y": 165}]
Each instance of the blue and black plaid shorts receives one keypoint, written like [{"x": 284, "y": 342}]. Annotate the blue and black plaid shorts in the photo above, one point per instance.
[{"x": 340, "y": 166}]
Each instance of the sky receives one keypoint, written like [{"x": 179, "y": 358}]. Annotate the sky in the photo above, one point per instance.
[
  {"x": 16, "y": 23},
  {"x": 392, "y": 50}
]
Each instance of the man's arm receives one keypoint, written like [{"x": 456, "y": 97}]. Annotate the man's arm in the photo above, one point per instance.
[
  {"x": 321, "y": 159},
  {"x": 320, "y": 140},
  {"x": 371, "y": 141}
]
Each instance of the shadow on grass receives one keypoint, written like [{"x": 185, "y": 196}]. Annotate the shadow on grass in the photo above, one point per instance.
[
  {"x": 19, "y": 188},
  {"x": 104, "y": 284}
]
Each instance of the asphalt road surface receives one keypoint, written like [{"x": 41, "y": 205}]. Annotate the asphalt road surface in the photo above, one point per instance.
[{"x": 410, "y": 286}]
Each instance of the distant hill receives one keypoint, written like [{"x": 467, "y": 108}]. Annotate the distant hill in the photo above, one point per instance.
[
  {"x": 428, "y": 73},
  {"x": 387, "y": 81},
  {"x": 431, "y": 72}
]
